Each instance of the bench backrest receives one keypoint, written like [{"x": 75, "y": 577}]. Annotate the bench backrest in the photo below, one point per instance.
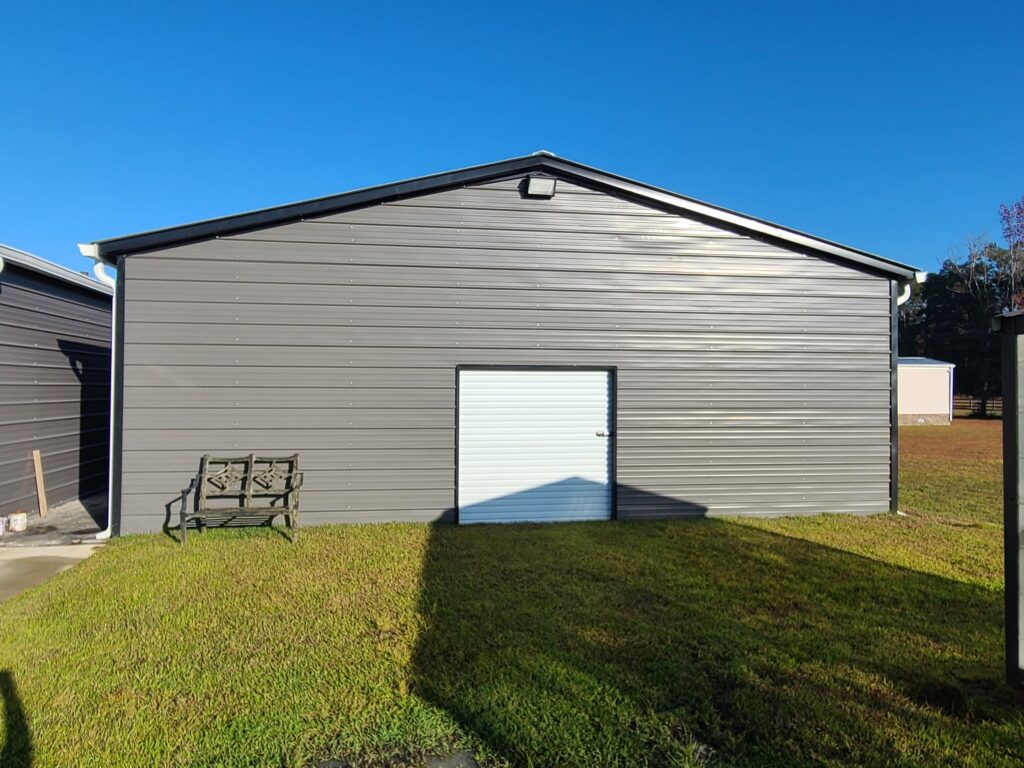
[{"x": 247, "y": 481}]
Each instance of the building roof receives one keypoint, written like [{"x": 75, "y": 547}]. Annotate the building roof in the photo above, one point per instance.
[
  {"x": 925, "y": 361},
  {"x": 1008, "y": 319},
  {"x": 541, "y": 162},
  {"x": 48, "y": 268}
]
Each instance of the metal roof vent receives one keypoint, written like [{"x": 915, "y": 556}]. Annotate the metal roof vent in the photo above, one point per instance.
[{"x": 539, "y": 186}]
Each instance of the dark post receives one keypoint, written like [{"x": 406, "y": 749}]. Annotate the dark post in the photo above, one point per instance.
[
  {"x": 894, "y": 416},
  {"x": 1011, "y": 327}
]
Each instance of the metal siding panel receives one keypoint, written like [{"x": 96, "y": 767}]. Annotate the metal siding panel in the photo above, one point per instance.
[
  {"x": 287, "y": 440},
  {"x": 273, "y": 398},
  {"x": 294, "y": 377},
  {"x": 331, "y": 419},
  {"x": 54, "y": 299},
  {"x": 181, "y": 356},
  {"x": 727, "y": 300},
  {"x": 185, "y": 461},
  {"x": 752, "y": 379},
  {"x": 54, "y": 380},
  {"x": 153, "y": 334},
  {"x": 732, "y": 258},
  {"x": 728, "y": 319},
  {"x": 399, "y": 275}
]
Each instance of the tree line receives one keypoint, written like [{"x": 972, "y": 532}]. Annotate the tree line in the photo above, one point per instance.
[{"x": 949, "y": 316}]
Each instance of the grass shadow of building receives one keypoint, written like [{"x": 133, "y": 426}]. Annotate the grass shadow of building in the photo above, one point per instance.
[{"x": 663, "y": 642}]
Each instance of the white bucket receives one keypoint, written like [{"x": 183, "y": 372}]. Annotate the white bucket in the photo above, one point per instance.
[{"x": 17, "y": 521}]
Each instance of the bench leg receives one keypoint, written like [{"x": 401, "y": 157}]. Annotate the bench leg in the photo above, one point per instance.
[
  {"x": 183, "y": 517},
  {"x": 182, "y": 514}
]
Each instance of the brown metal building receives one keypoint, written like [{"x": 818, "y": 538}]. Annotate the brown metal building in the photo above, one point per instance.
[{"x": 54, "y": 381}]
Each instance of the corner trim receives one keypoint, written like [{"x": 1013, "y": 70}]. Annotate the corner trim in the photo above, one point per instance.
[
  {"x": 117, "y": 406},
  {"x": 1009, "y": 327},
  {"x": 894, "y": 416}
]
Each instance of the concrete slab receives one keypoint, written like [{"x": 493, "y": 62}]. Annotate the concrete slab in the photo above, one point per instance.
[
  {"x": 70, "y": 523},
  {"x": 24, "y": 567}
]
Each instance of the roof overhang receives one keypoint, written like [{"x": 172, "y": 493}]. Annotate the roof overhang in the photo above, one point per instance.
[
  {"x": 43, "y": 267},
  {"x": 1009, "y": 319},
  {"x": 109, "y": 250},
  {"x": 924, "y": 362}
]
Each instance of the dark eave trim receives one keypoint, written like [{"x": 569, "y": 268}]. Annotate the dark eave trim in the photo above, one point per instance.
[
  {"x": 109, "y": 250},
  {"x": 41, "y": 266}
]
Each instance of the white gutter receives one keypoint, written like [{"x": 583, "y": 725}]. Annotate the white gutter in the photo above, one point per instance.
[
  {"x": 99, "y": 269},
  {"x": 919, "y": 277}
]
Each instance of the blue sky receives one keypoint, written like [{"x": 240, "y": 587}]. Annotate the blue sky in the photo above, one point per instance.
[{"x": 894, "y": 127}]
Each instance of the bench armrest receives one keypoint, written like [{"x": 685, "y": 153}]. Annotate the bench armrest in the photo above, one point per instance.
[
  {"x": 296, "y": 481},
  {"x": 191, "y": 485}
]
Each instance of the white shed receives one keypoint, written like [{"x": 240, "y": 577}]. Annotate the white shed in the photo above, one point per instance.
[{"x": 925, "y": 391}]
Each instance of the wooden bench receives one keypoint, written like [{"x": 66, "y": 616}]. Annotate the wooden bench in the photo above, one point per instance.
[{"x": 241, "y": 488}]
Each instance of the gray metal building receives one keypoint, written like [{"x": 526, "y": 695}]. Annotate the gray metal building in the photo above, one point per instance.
[
  {"x": 530, "y": 339},
  {"x": 54, "y": 381}
]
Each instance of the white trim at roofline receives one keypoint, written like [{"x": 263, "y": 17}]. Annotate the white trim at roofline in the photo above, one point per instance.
[
  {"x": 925, "y": 362},
  {"x": 48, "y": 268}
]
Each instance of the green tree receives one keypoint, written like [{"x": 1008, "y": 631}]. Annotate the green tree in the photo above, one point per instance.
[{"x": 949, "y": 316}]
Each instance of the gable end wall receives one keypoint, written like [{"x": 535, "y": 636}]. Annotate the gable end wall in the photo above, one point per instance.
[{"x": 752, "y": 379}]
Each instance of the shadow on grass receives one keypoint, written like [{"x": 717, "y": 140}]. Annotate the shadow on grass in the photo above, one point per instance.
[
  {"x": 17, "y": 749},
  {"x": 660, "y": 643}
]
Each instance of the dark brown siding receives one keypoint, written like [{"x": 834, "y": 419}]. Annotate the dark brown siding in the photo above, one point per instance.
[
  {"x": 54, "y": 388},
  {"x": 752, "y": 378}
]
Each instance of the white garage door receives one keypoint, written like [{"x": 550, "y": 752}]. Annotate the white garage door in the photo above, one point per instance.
[{"x": 534, "y": 446}]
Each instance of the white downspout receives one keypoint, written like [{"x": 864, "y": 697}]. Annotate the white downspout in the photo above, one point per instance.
[
  {"x": 904, "y": 295},
  {"x": 919, "y": 277},
  {"x": 99, "y": 269}
]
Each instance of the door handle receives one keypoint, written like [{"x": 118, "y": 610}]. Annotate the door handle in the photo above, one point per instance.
[{"x": 604, "y": 434}]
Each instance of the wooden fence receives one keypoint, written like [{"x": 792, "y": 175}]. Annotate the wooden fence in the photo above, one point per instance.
[{"x": 965, "y": 405}]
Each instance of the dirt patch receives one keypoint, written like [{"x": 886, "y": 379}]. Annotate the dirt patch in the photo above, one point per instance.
[{"x": 965, "y": 440}]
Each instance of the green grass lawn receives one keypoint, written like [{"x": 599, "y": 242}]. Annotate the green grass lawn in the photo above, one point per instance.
[{"x": 829, "y": 640}]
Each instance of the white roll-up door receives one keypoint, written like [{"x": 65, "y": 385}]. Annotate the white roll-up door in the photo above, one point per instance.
[{"x": 534, "y": 445}]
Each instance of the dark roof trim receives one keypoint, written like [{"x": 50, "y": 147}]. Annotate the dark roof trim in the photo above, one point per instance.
[
  {"x": 109, "y": 250},
  {"x": 1012, "y": 319},
  {"x": 42, "y": 266}
]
